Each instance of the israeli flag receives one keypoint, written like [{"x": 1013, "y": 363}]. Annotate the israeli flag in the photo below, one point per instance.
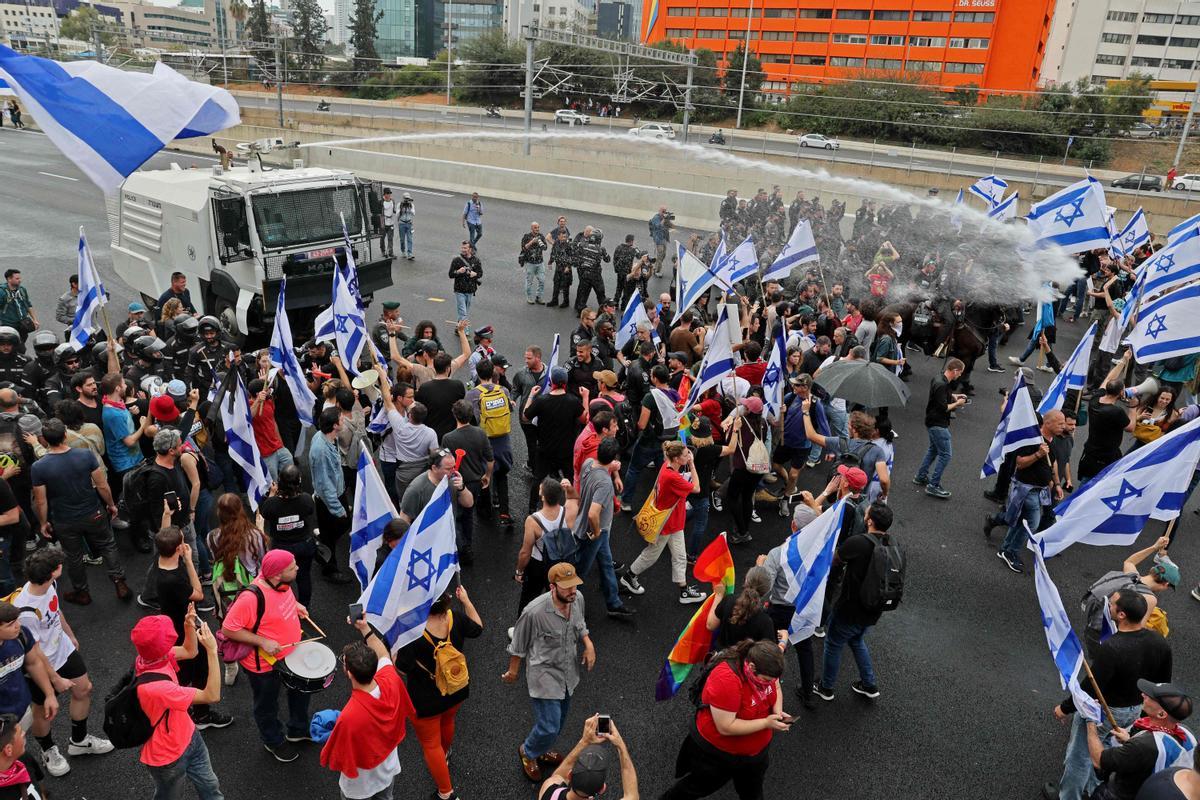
[
  {"x": 801, "y": 248},
  {"x": 956, "y": 213},
  {"x": 1135, "y": 233},
  {"x": 373, "y": 510},
  {"x": 283, "y": 356},
  {"x": 1182, "y": 228},
  {"x": 774, "y": 377},
  {"x": 692, "y": 279},
  {"x": 417, "y": 573},
  {"x": 807, "y": 558},
  {"x": 1065, "y": 647},
  {"x": 990, "y": 188},
  {"x": 92, "y": 297},
  {"x": 1176, "y": 264},
  {"x": 1113, "y": 507},
  {"x": 239, "y": 436},
  {"x": 1167, "y": 327},
  {"x": 323, "y": 327},
  {"x": 1018, "y": 427},
  {"x": 740, "y": 264},
  {"x": 633, "y": 315},
  {"x": 350, "y": 328},
  {"x": 1006, "y": 209},
  {"x": 109, "y": 122},
  {"x": 551, "y": 364},
  {"x": 379, "y": 419},
  {"x": 1074, "y": 219},
  {"x": 1172, "y": 752},
  {"x": 1072, "y": 376},
  {"x": 718, "y": 360}
]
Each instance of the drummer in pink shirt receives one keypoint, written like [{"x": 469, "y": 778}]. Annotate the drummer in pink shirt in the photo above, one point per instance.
[{"x": 266, "y": 615}]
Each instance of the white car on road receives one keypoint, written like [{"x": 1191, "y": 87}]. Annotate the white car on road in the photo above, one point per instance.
[
  {"x": 657, "y": 130},
  {"x": 569, "y": 116},
  {"x": 1187, "y": 183},
  {"x": 819, "y": 140}
]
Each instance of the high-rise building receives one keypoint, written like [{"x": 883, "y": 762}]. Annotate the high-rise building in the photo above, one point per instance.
[
  {"x": 615, "y": 20},
  {"x": 398, "y": 30},
  {"x": 993, "y": 44},
  {"x": 569, "y": 15},
  {"x": 339, "y": 28},
  {"x": 25, "y": 25}
]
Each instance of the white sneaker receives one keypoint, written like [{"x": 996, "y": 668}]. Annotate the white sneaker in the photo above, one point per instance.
[
  {"x": 754, "y": 517},
  {"x": 1014, "y": 360},
  {"x": 231, "y": 673},
  {"x": 56, "y": 763},
  {"x": 510, "y": 633},
  {"x": 91, "y": 745}
]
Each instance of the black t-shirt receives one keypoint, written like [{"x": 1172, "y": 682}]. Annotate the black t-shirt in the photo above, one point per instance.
[
  {"x": 856, "y": 553},
  {"x": 174, "y": 593},
  {"x": 93, "y": 415},
  {"x": 758, "y": 627},
  {"x": 477, "y": 449},
  {"x": 1129, "y": 765},
  {"x": 557, "y": 420},
  {"x": 415, "y": 660},
  {"x": 1039, "y": 473},
  {"x": 1121, "y": 660},
  {"x": 8, "y": 501},
  {"x": 1106, "y": 428},
  {"x": 438, "y": 395},
  {"x": 936, "y": 415},
  {"x": 289, "y": 520},
  {"x": 1162, "y": 786}
]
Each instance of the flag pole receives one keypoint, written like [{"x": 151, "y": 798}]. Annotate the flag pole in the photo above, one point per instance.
[{"x": 1099, "y": 695}]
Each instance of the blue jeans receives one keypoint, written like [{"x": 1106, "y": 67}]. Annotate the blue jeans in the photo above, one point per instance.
[
  {"x": 697, "y": 515},
  {"x": 535, "y": 280},
  {"x": 598, "y": 550},
  {"x": 939, "y": 449},
  {"x": 193, "y": 765},
  {"x": 277, "y": 461},
  {"x": 992, "y": 342},
  {"x": 646, "y": 452},
  {"x": 462, "y": 300},
  {"x": 476, "y": 232},
  {"x": 1031, "y": 512},
  {"x": 1078, "y": 776},
  {"x": 1029, "y": 348},
  {"x": 405, "y": 231},
  {"x": 264, "y": 687},
  {"x": 388, "y": 470},
  {"x": 548, "y": 717},
  {"x": 837, "y": 635}
]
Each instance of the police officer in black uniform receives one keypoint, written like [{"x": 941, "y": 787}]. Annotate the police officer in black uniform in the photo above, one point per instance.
[
  {"x": 589, "y": 254},
  {"x": 146, "y": 359},
  {"x": 582, "y": 369},
  {"x": 58, "y": 385},
  {"x": 175, "y": 357},
  {"x": 562, "y": 256},
  {"x": 623, "y": 257},
  {"x": 13, "y": 361},
  {"x": 207, "y": 357},
  {"x": 41, "y": 366}
]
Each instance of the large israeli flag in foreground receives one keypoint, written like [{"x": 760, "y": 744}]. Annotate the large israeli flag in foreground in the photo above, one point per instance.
[
  {"x": 801, "y": 248},
  {"x": 808, "y": 558},
  {"x": 693, "y": 278},
  {"x": 373, "y": 510},
  {"x": 1167, "y": 327},
  {"x": 1075, "y": 219},
  {"x": 1018, "y": 427},
  {"x": 109, "y": 121},
  {"x": 1073, "y": 374}
]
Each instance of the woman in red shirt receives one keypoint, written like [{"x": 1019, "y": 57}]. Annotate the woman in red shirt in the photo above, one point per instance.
[
  {"x": 741, "y": 708},
  {"x": 676, "y": 481}
]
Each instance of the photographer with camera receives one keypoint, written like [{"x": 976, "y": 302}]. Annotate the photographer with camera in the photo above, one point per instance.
[
  {"x": 661, "y": 225},
  {"x": 533, "y": 246},
  {"x": 589, "y": 254},
  {"x": 466, "y": 272}
]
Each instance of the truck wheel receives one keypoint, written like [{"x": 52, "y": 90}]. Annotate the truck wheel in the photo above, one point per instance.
[{"x": 226, "y": 312}]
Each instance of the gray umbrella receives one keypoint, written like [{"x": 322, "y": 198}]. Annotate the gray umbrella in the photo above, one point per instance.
[{"x": 863, "y": 382}]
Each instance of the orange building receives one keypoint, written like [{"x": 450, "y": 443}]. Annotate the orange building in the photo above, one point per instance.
[{"x": 994, "y": 44}]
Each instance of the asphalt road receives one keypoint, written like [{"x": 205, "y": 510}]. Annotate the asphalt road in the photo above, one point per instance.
[
  {"x": 744, "y": 142},
  {"x": 967, "y": 681}
]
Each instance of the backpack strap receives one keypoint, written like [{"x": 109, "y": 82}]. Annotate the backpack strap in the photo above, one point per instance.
[{"x": 142, "y": 680}]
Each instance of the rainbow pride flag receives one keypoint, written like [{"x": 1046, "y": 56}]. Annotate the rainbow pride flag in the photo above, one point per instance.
[{"x": 714, "y": 565}]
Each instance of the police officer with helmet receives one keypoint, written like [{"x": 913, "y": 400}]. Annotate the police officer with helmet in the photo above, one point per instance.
[{"x": 207, "y": 357}]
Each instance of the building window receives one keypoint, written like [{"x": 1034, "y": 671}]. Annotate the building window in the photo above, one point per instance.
[
  {"x": 843, "y": 61},
  {"x": 849, "y": 38},
  {"x": 712, "y": 12},
  {"x": 1165, "y": 19},
  {"x": 777, "y": 36},
  {"x": 745, "y": 12},
  {"x": 883, "y": 63},
  {"x": 958, "y": 42},
  {"x": 1116, "y": 38},
  {"x": 1143, "y": 61},
  {"x": 679, "y": 33},
  {"x": 775, "y": 58},
  {"x": 679, "y": 11},
  {"x": 923, "y": 66},
  {"x": 978, "y": 44},
  {"x": 1187, "y": 19},
  {"x": 969, "y": 69},
  {"x": 710, "y": 34},
  {"x": 1122, "y": 16},
  {"x": 810, "y": 61},
  {"x": 853, "y": 13},
  {"x": 1105, "y": 58},
  {"x": 780, "y": 13},
  {"x": 1184, "y": 41},
  {"x": 1156, "y": 40},
  {"x": 1178, "y": 63},
  {"x": 887, "y": 40},
  {"x": 816, "y": 13},
  {"x": 889, "y": 15},
  {"x": 739, "y": 36},
  {"x": 974, "y": 16},
  {"x": 805, "y": 36},
  {"x": 931, "y": 16},
  {"x": 927, "y": 41},
  {"x": 779, "y": 85}
]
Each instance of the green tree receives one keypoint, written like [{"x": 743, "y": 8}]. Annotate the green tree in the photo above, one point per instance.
[
  {"x": 79, "y": 24},
  {"x": 1125, "y": 101},
  {"x": 258, "y": 27},
  {"x": 364, "y": 29},
  {"x": 308, "y": 37},
  {"x": 731, "y": 78},
  {"x": 500, "y": 81}
]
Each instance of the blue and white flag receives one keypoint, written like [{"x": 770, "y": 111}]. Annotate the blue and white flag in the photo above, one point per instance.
[
  {"x": 350, "y": 328},
  {"x": 372, "y": 511},
  {"x": 1135, "y": 233},
  {"x": 956, "y": 217},
  {"x": 990, "y": 189},
  {"x": 283, "y": 356},
  {"x": 693, "y": 278},
  {"x": 739, "y": 264},
  {"x": 323, "y": 327},
  {"x": 775, "y": 377},
  {"x": 1075, "y": 218},
  {"x": 1167, "y": 327},
  {"x": 550, "y": 365},
  {"x": 418, "y": 572},
  {"x": 807, "y": 559},
  {"x": 239, "y": 436},
  {"x": 91, "y": 299},
  {"x": 634, "y": 315},
  {"x": 718, "y": 360},
  {"x": 379, "y": 422},
  {"x": 1176, "y": 264},
  {"x": 1072, "y": 376},
  {"x": 1172, "y": 752},
  {"x": 1065, "y": 647},
  {"x": 801, "y": 248},
  {"x": 1182, "y": 228},
  {"x": 1113, "y": 507},
  {"x": 1018, "y": 427},
  {"x": 109, "y": 122},
  {"x": 1006, "y": 209}
]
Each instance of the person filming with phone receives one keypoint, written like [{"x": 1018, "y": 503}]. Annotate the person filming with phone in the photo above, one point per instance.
[{"x": 583, "y": 774}]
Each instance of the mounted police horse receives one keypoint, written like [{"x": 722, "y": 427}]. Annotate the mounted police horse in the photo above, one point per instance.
[{"x": 961, "y": 326}]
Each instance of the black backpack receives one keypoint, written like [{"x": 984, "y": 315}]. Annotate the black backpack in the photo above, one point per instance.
[
  {"x": 558, "y": 544},
  {"x": 125, "y": 723},
  {"x": 136, "y": 493},
  {"x": 627, "y": 418},
  {"x": 852, "y": 455},
  {"x": 883, "y": 585}
]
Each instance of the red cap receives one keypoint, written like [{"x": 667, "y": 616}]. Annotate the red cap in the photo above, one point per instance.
[
  {"x": 153, "y": 637},
  {"x": 855, "y": 478},
  {"x": 163, "y": 409}
]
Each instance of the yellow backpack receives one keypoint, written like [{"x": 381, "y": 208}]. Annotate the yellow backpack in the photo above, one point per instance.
[
  {"x": 450, "y": 665},
  {"x": 495, "y": 412}
]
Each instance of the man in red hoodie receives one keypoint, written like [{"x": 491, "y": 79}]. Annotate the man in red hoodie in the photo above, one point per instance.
[{"x": 362, "y": 745}]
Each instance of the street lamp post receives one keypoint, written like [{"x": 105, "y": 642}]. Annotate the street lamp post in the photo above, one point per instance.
[{"x": 745, "y": 61}]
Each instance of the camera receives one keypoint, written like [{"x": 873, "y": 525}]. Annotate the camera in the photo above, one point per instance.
[{"x": 669, "y": 217}]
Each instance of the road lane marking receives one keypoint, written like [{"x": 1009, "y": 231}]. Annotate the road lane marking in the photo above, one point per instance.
[
  {"x": 64, "y": 177},
  {"x": 436, "y": 299}
]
